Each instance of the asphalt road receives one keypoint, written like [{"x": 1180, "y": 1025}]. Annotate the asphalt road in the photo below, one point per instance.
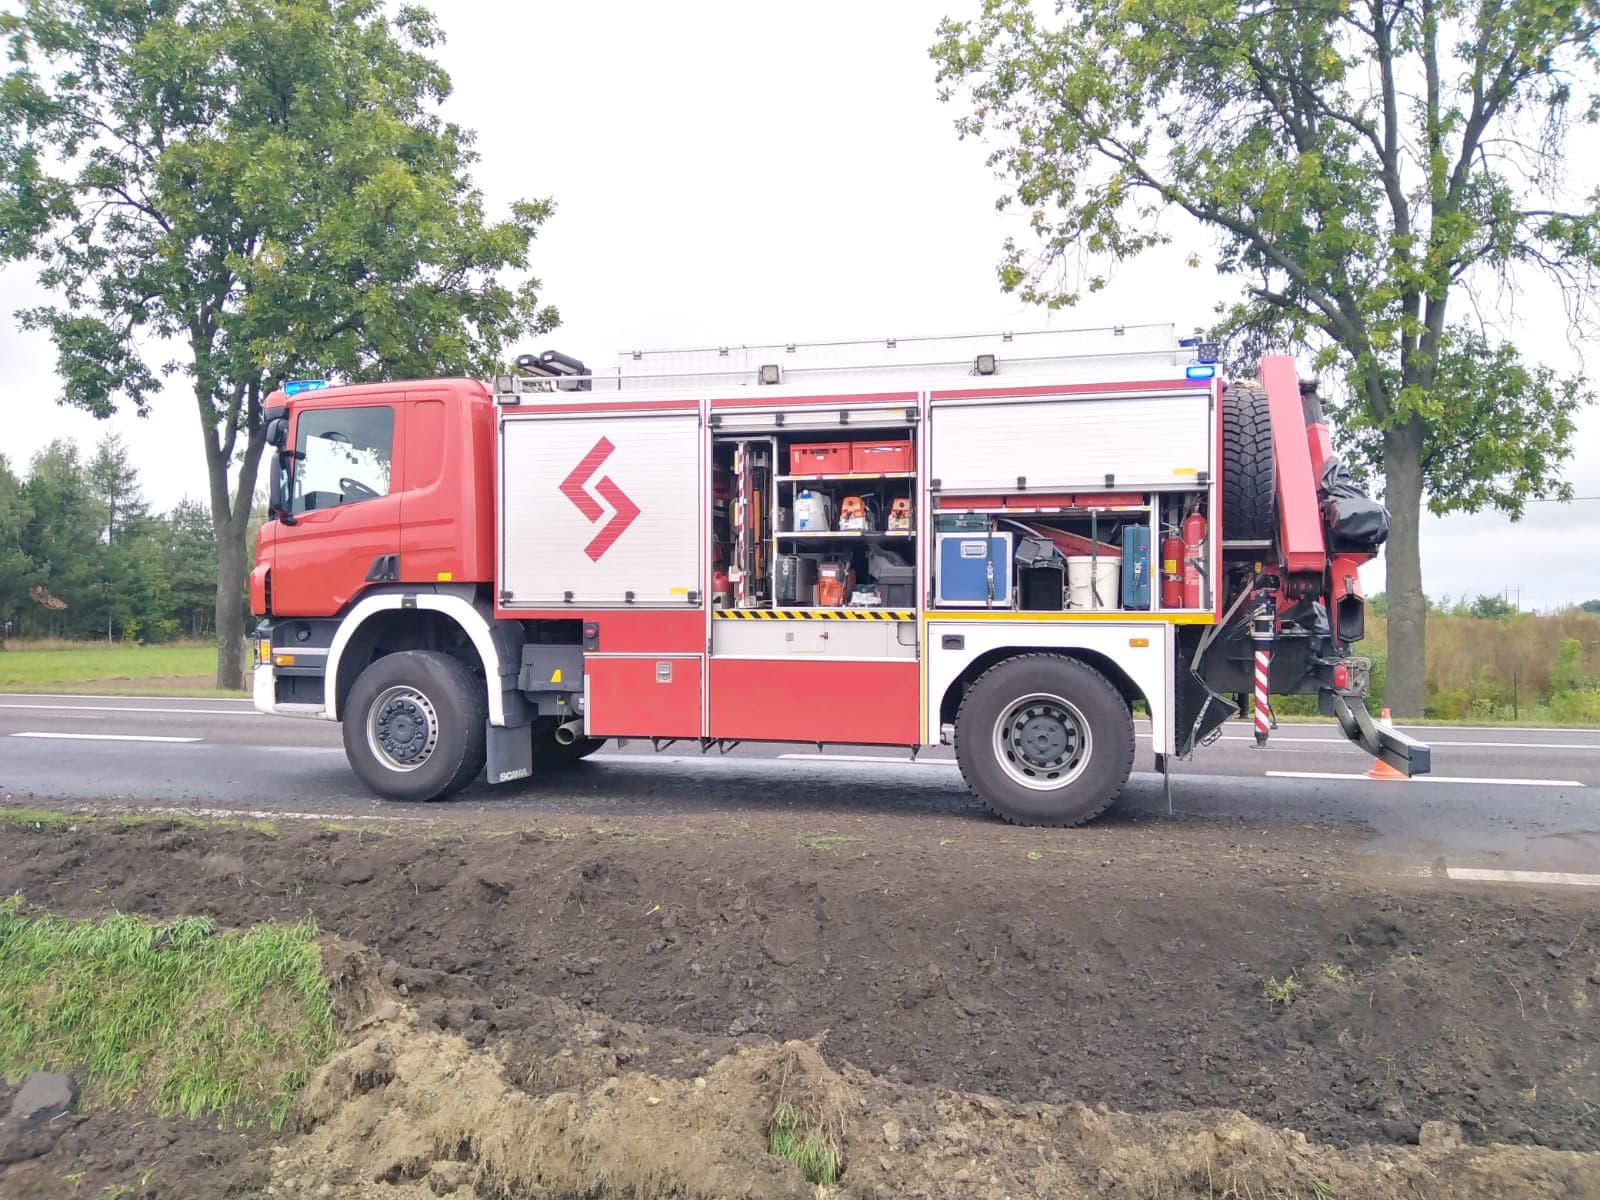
[{"x": 1501, "y": 799}]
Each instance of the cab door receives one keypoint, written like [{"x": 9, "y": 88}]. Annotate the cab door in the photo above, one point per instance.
[{"x": 345, "y": 500}]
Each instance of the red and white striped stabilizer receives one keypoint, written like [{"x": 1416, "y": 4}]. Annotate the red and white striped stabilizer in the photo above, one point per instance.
[{"x": 1262, "y": 706}]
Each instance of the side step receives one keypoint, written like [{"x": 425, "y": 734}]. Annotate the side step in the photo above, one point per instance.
[{"x": 1404, "y": 754}]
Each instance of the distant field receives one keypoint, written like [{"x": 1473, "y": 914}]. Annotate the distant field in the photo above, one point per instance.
[{"x": 178, "y": 669}]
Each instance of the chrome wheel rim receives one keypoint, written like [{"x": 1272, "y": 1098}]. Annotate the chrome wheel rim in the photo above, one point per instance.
[
  {"x": 1042, "y": 741},
  {"x": 402, "y": 728}
]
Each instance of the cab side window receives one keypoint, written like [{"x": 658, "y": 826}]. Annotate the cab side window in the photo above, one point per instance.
[{"x": 342, "y": 456}]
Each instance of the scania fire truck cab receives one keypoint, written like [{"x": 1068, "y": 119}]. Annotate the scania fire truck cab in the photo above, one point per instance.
[{"x": 1008, "y": 543}]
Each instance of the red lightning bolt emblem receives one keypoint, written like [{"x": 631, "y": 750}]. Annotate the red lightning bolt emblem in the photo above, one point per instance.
[{"x": 575, "y": 488}]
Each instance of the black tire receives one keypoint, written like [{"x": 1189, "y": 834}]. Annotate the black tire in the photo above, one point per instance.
[
  {"x": 1249, "y": 470},
  {"x": 580, "y": 749},
  {"x": 551, "y": 754},
  {"x": 436, "y": 714},
  {"x": 1041, "y": 706}
]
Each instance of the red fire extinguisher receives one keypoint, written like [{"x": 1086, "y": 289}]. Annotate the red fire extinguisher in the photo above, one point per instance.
[
  {"x": 1194, "y": 540},
  {"x": 1172, "y": 571}
]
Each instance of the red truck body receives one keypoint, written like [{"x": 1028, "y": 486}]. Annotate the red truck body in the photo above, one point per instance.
[{"x": 481, "y": 579}]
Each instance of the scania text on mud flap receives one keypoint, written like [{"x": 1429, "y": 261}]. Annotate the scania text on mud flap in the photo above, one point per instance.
[{"x": 490, "y": 579}]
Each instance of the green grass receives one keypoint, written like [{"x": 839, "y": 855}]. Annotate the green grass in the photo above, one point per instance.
[
  {"x": 42, "y": 818},
  {"x": 1284, "y": 993},
  {"x": 179, "y": 1016},
  {"x": 69, "y": 667},
  {"x": 823, "y": 842},
  {"x": 794, "y": 1138},
  {"x": 630, "y": 836},
  {"x": 135, "y": 820}
]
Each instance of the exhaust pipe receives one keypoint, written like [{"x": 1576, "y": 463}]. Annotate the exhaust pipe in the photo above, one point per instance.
[{"x": 569, "y": 731}]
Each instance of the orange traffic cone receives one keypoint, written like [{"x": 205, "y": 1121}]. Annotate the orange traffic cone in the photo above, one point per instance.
[{"x": 1381, "y": 769}]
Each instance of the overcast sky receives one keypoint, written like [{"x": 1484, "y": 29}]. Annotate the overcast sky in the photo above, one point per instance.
[{"x": 737, "y": 172}]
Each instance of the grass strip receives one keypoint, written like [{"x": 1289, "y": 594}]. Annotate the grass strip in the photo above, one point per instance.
[
  {"x": 794, "y": 1138},
  {"x": 42, "y": 818},
  {"x": 26, "y": 666},
  {"x": 180, "y": 1016}
]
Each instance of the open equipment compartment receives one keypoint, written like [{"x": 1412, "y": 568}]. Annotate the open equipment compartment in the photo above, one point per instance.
[
  {"x": 742, "y": 516},
  {"x": 1072, "y": 552},
  {"x": 834, "y": 527},
  {"x": 1073, "y": 498}
]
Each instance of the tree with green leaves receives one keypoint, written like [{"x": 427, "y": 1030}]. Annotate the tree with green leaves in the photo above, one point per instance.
[
  {"x": 63, "y": 540},
  {"x": 1381, "y": 174},
  {"x": 189, "y": 561},
  {"x": 239, "y": 192},
  {"x": 115, "y": 482},
  {"x": 1492, "y": 608},
  {"x": 17, "y": 570}
]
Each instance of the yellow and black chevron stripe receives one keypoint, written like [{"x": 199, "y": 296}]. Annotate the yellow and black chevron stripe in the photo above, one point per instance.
[{"x": 813, "y": 614}]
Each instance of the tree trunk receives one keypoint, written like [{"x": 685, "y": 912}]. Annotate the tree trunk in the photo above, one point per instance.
[
  {"x": 230, "y": 607},
  {"x": 1402, "y": 470}
]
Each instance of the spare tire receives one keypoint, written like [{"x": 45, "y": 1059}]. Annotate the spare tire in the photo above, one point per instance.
[{"x": 1249, "y": 471}]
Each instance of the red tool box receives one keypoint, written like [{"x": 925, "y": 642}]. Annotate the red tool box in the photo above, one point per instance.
[
  {"x": 820, "y": 458},
  {"x": 880, "y": 458}
]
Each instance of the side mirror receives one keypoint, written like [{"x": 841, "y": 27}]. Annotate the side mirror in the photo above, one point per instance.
[
  {"x": 278, "y": 432},
  {"x": 277, "y": 482}
]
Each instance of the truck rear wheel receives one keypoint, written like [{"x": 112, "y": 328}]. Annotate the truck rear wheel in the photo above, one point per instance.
[
  {"x": 414, "y": 726},
  {"x": 1044, "y": 740}
]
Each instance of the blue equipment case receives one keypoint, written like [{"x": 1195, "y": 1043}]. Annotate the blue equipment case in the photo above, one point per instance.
[
  {"x": 974, "y": 570},
  {"x": 1136, "y": 566}
]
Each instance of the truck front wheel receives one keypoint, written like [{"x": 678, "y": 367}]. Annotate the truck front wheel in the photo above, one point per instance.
[
  {"x": 1044, "y": 740},
  {"x": 414, "y": 726}
]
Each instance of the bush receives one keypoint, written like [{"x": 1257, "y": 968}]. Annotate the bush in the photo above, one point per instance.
[
  {"x": 1292, "y": 706},
  {"x": 1449, "y": 706},
  {"x": 1379, "y": 682},
  {"x": 1576, "y": 708},
  {"x": 1567, "y": 673}
]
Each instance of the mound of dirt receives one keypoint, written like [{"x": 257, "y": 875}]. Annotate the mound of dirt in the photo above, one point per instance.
[{"x": 408, "y": 1113}]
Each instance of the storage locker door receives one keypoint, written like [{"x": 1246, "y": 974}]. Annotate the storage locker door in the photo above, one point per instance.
[
  {"x": 1074, "y": 441},
  {"x": 600, "y": 509}
]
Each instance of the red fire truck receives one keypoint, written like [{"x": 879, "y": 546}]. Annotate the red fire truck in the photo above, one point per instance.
[{"x": 1009, "y": 544}]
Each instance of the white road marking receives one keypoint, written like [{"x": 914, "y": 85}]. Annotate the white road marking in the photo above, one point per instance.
[
  {"x": 871, "y": 758},
  {"x": 1341, "y": 741},
  {"x": 1429, "y": 779},
  {"x": 96, "y": 696},
  {"x": 1496, "y": 875},
  {"x": 122, "y": 708},
  {"x": 107, "y": 737}
]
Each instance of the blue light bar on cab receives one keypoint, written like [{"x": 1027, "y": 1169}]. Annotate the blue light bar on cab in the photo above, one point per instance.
[
  {"x": 1200, "y": 370},
  {"x": 295, "y": 386}
]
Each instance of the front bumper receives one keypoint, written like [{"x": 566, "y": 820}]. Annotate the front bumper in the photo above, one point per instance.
[{"x": 263, "y": 692}]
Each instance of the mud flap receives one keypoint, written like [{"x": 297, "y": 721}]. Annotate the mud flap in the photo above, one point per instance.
[
  {"x": 1404, "y": 754},
  {"x": 510, "y": 753},
  {"x": 1214, "y": 713}
]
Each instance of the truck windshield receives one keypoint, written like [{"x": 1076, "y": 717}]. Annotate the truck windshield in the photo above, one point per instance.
[{"x": 342, "y": 456}]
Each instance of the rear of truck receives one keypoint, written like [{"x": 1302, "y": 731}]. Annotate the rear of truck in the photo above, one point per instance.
[{"x": 1295, "y": 532}]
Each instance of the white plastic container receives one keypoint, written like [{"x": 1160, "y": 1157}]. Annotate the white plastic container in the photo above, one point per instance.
[
  {"x": 1106, "y": 581},
  {"x": 813, "y": 512}
]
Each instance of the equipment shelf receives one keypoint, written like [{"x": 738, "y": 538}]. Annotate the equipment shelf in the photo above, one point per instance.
[
  {"x": 845, "y": 477},
  {"x": 848, "y": 533}
]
